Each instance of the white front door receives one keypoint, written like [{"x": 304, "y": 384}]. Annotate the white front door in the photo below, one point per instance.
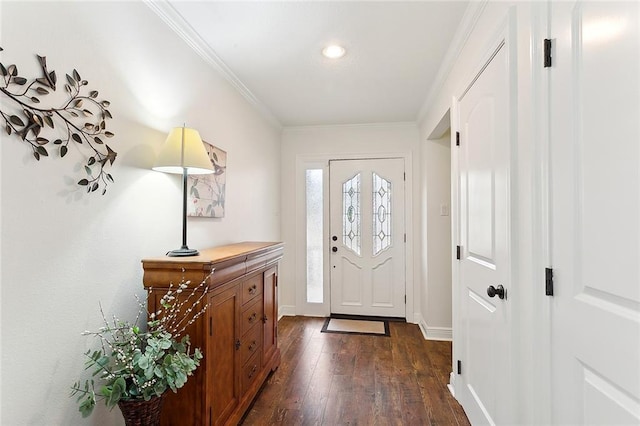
[
  {"x": 484, "y": 274},
  {"x": 595, "y": 221},
  {"x": 367, "y": 237}
]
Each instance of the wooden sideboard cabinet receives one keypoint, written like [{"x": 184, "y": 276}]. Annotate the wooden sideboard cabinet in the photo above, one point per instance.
[{"x": 238, "y": 334}]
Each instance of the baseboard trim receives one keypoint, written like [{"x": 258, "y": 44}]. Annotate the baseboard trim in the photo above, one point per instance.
[
  {"x": 286, "y": 311},
  {"x": 434, "y": 333},
  {"x": 439, "y": 333}
]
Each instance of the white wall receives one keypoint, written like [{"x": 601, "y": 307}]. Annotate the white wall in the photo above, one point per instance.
[
  {"x": 436, "y": 237},
  {"x": 328, "y": 142},
  {"x": 63, "y": 252}
]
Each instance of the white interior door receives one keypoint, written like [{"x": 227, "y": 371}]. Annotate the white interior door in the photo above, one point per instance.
[
  {"x": 484, "y": 274},
  {"x": 367, "y": 237},
  {"x": 595, "y": 189}
]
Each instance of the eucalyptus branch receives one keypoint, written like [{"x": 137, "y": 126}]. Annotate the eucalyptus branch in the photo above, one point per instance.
[
  {"x": 77, "y": 389},
  {"x": 82, "y": 118},
  {"x": 92, "y": 363}
]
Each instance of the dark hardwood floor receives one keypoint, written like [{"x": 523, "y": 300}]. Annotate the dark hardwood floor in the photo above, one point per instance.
[{"x": 339, "y": 379}]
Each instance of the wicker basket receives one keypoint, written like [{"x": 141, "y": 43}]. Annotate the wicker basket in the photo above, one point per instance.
[{"x": 141, "y": 412}]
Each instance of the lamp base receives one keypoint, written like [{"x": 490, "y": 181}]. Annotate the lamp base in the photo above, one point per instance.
[{"x": 183, "y": 252}]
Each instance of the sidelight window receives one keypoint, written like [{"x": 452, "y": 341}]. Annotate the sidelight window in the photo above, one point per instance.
[{"x": 314, "y": 236}]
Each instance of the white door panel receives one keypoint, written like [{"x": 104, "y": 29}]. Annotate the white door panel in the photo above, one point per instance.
[
  {"x": 595, "y": 181},
  {"x": 367, "y": 231},
  {"x": 350, "y": 295},
  {"x": 484, "y": 208},
  {"x": 382, "y": 292}
]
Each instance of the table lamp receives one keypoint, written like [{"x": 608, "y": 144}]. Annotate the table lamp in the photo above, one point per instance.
[{"x": 183, "y": 153}]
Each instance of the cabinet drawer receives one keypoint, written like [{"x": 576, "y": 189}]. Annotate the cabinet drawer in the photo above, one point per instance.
[
  {"x": 251, "y": 316},
  {"x": 251, "y": 288},
  {"x": 251, "y": 343},
  {"x": 250, "y": 372}
]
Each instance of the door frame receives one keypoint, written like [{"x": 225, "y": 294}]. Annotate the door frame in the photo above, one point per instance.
[
  {"x": 305, "y": 162},
  {"x": 506, "y": 34},
  {"x": 541, "y": 304}
]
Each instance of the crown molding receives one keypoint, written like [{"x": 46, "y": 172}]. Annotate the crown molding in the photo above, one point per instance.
[
  {"x": 465, "y": 28},
  {"x": 182, "y": 28},
  {"x": 351, "y": 126}
]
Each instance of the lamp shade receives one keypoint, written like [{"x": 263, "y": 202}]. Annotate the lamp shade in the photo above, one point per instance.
[{"x": 183, "y": 151}]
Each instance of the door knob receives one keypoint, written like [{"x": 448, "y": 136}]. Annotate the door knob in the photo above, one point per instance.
[
  {"x": 334, "y": 249},
  {"x": 493, "y": 291}
]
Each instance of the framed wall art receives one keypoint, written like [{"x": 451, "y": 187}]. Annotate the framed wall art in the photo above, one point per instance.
[{"x": 207, "y": 192}]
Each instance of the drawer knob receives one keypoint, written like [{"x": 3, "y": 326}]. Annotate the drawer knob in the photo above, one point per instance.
[
  {"x": 253, "y": 289},
  {"x": 253, "y": 371},
  {"x": 253, "y": 317}
]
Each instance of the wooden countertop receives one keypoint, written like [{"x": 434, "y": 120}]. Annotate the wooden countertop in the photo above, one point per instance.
[
  {"x": 221, "y": 253},
  {"x": 228, "y": 261}
]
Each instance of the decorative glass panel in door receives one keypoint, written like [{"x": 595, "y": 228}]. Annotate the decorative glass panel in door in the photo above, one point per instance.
[
  {"x": 351, "y": 214},
  {"x": 381, "y": 214}
]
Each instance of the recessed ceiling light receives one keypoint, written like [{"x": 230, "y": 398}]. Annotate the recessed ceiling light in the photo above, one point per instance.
[{"x": 334, "y": 51}]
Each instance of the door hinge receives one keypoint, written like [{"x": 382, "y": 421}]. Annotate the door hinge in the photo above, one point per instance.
[
  {"x": 210, "y": 326},
  {"x": 458, "y": 252},
  {"x": 405, "y": 238},
  {"x": 404, "y": 176},
  {"x": 459, "y": 367},
  {"x": 405, "y": 299},
  {"x": 547, "y": 53},
  {"x": 548, "y": 281},
  {"x": 457, "y": 138}
]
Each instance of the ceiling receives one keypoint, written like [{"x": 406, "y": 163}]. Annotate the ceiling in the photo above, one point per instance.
[{"x": 271, "y": 51}]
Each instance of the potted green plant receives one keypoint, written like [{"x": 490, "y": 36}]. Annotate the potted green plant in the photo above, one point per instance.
[{"x": 135, "y": 366}]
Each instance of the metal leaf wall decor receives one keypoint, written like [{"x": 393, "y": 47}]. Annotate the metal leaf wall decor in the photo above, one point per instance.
[{"x": 81, "y": 119}]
